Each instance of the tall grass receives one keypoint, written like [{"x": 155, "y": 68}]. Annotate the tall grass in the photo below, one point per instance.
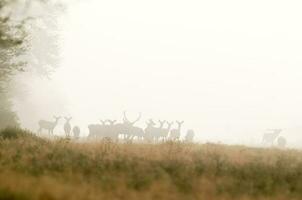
[{"x": 34, "y": 168}]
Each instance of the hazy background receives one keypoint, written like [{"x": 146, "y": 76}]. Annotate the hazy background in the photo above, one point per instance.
[{"x": 229, "y": 69}]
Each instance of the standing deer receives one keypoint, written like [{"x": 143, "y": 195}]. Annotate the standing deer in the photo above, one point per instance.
[
  {"x": 67, "y": 126},
  {"x": 149, "y": 130},
  {"x": 269, "y": 138},
  {"x": 130, "y": 131},
  {"x": 76, "y": 132},
  {"x": 175, "y": 133},
  {"x": 189, "y": 136},
  {"x": 155, "y": 133},
  {"x": 43, "y": 124},
  {"x": 165, "y": 131},
  {"x": 112, "y": 130},
  {"x": 97, "y": 130}
]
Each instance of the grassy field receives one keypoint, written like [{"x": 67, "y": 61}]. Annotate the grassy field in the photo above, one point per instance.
[{"x": 34, "y": 168}]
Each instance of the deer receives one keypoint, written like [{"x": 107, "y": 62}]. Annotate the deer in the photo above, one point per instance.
[
  {"x": 149, "y": 130},
  {"x": 67, "y": 126},
  {"x": 97, "y": 130},
  {"x": 189, "y": 136},
  {"x": 269, "y": 138},
  {"x": 165, "y": 131},
  {"x": 175, "y": 133},
  {"x": 50, "y": 126},
  {"x": 129, "y": 130},
  {"x": 154, "y": 133},
  {"x": 76, "y": 132}
]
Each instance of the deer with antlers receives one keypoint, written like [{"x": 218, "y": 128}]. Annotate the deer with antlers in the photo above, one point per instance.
[
  {"x": 47, "y": 125},
  {"x": 175, "y": 133},
  {"x": 67, "y": 126},
  {"x": 131, "y": 131}
]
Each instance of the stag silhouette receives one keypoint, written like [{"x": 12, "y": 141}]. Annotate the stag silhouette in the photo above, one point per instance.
[
  {"x": 175, "y": 133},
  {"x": 47, "y": 125},
  {"x": 67, "y": 126},
  {"x": 129, "y": 130}
]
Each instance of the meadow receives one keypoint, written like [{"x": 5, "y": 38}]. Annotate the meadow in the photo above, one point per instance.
[{"x": 36, "y": 168}]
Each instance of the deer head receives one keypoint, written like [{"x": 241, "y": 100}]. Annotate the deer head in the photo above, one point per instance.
[
  {"x": 111, "y": 122},
  {"x": 103, "y": 122},
  {"x": 150, "y": 123},
  {"x": 127, "y": 121},
  {"x": 169, "y": 125},
  {"x": 56, "y": 119},
  {"x": 161, "y": 123},
  {"x": 67, "y": 119},
  {"x": 179, "y": 123}
]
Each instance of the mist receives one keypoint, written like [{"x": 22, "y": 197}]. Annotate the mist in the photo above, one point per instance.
[{"x": 230, "y": 70}]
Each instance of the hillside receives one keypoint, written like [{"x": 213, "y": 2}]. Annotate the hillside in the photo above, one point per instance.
[{"x": 35, "y": 168}]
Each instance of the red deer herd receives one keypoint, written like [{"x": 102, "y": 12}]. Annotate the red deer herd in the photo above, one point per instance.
[
  {"x": 154, "y": 132},
  {"x": 125, "y": 130}
]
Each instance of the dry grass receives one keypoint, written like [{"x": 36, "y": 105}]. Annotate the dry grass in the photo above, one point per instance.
[{"x": 33, "y": 168}]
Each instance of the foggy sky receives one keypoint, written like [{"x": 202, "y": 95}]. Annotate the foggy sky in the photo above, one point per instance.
[{"x": 229, "y": 69}]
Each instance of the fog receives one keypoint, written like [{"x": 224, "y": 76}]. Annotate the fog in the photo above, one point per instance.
[{"x": 229, "y": 69}]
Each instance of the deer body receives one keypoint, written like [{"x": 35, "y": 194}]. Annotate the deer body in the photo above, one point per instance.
[
  {"x": 97, "y": 130},
  {"x": 47, "y": 125},
  {"x": 129, "y": 130},
  {"x": 67, "y": 126},
  {"x": 175, "y": 133},
  {"x": 165, "y": 131},
  {"x": 269, "y": 138},
  {"x": 189, "y": 136},
  {"x": 76, "y": 132}
]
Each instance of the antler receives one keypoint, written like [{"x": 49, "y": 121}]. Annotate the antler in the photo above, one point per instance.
[
  {"x": 111, "y": 122},
  {"x": 162, "y": 122},
  {"x": 103, "y": 122},
  {"x": 125, "y": 119},
  {"x": 139, "y": 117},
  {"x": 179, "y": 122}
]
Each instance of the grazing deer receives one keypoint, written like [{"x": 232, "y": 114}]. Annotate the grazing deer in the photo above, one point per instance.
[
  {"x": 189, "y": 136},
  {"x": 76, "y": 132},
  {"x": 50, "y": 126},
  {"x": 175, "y": 133},
  {"x": 269, "y": 138},
  {"x": 67, "y": 126}
]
